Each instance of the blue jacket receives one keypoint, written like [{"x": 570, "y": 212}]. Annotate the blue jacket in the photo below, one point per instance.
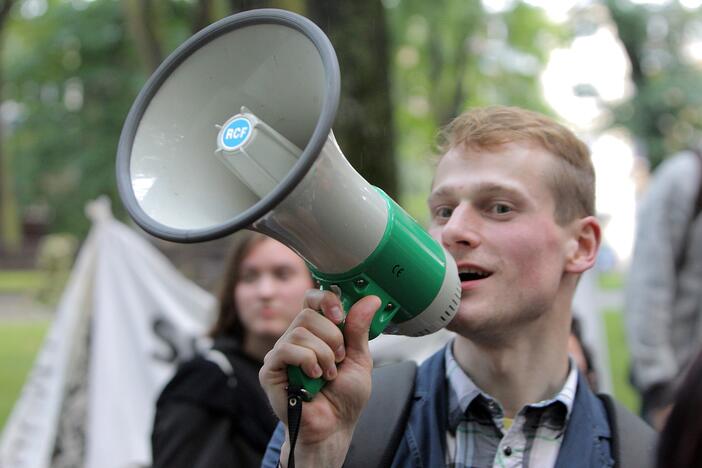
[{"x": 586, "y": 442}]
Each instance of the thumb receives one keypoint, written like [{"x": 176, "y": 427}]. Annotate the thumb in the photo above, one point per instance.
[{"x": 358, "y": 323}]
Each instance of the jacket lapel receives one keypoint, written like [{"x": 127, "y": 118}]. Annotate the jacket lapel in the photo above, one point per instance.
[
  {"x": 424, "y": 441},
  {"x": 586, "y": 443}
]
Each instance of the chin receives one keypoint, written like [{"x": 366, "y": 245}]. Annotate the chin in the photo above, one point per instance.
[
  {"x": 268, "y": 331},
  {"x": 476, "y": 323}
]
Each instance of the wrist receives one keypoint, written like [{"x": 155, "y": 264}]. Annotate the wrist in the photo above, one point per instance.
[{"x": 330, "y": 452}]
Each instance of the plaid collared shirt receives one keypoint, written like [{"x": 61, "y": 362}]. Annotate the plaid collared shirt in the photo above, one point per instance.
[{"x": 478, "y": 436}]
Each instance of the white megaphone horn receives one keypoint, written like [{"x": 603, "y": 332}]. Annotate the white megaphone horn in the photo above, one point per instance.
[{"x": 233, "y": 131}]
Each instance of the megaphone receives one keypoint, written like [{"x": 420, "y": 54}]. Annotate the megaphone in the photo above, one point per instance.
[{"x": 233, "y": 131}]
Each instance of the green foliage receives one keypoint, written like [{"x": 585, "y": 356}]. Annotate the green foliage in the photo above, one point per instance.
[
  {"x": 663, "y": 114},
  {"x": 450, "y": 55},
  {"x": 72, "y": 72},
  {"x": 72, "y": 76},
  {"x": 19, "y": 342}
]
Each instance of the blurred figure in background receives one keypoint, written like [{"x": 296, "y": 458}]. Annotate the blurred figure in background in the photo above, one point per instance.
[
  {"x": 582, "y": 354},
  {"x": 663, "y": 304},
  {"x": 680, "y": 443},
  {"x": 213, "y": 413}
]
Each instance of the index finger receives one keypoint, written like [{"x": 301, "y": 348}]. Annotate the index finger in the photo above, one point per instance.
[{"x": 326, "y": 302}]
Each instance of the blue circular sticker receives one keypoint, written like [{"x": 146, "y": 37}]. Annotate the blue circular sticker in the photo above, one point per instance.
[{"x": 235, "y": 133}]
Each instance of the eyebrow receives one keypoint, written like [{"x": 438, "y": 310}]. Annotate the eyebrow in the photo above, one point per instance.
[{"x": 483, "y": 188}]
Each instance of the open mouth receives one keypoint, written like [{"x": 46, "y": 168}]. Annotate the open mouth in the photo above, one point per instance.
[{"x": 472, "y": 274}]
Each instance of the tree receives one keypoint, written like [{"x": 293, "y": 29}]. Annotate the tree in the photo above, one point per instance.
[
  {"x": 10, "y": 226},
  {"x": 663, "y": 115},
  {"x": 453, "y": 54},
  {"x": 364, "y": 125},
  {"x": 72, "y": 76}
]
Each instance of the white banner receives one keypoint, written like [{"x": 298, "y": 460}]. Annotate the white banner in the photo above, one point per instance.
[{"x": 126, "y": 318}]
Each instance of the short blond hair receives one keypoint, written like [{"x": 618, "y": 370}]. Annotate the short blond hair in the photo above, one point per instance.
[{"x": 573, "y": 180}]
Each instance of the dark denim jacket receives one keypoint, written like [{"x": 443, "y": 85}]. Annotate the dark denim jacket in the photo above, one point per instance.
[{"x": 586, "y": 443}]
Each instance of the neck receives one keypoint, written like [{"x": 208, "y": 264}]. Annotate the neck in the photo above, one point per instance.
[
  {"x": 257, "y": 347},
  {"x": 525, "y": 367}
]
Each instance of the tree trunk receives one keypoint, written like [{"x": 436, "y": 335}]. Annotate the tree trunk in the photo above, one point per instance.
[
  {"x": 10, "y": 225},
  {"x": 237, "y": 6},
  {"x": 202, "y": 16},
  {"x": 140, "y": 23},
  {"x": 631, "y": 23},
  {"x": 364, "y": 125}
]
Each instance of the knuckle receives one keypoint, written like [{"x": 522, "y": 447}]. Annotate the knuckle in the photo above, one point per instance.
[
  {"x": 285, "y": 348},
  {"x": 306, "y": 315},
  {"x": 312, "y": 297},
  {"x": 298, "y": 334},
  {"x": 309, "y": 357},
  {"x": 268, "y": 357}
]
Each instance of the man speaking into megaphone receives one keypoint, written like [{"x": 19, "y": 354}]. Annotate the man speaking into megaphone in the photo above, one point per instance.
[
  {"x": 513, "y": 228},
  {"x": 512, "y": 201}
]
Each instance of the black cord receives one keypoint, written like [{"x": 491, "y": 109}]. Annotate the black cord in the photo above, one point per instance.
[{"x": 295, "y": 399}]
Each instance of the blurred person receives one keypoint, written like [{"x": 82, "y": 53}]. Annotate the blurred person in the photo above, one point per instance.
[
  {"x": 213, "y": 413},
  {"x": 680, "y": 443},
  {"x": 513, "y": 201},
  {"x": 663, "y": 299},
  {"x": 581, "y": 354}
]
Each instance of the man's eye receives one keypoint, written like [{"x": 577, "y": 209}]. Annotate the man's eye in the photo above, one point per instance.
[
  {"x": 501, "y": 208},
  {"x": 443, "y": 212}
]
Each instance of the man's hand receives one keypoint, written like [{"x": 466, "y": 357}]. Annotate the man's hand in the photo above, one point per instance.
[{"x": 315, "y": 343}]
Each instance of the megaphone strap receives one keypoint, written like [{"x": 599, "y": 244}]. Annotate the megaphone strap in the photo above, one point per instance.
[{"x": 295, "y": 399}]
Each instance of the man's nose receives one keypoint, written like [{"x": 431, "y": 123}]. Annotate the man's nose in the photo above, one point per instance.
[{"x": 462, "y": 228}]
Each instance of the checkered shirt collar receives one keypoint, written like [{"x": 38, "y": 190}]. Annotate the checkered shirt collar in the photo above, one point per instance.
[{"x": 462, "y": 391}]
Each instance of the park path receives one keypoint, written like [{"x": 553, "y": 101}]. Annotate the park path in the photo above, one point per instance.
[{"x": 18, "y": 306}]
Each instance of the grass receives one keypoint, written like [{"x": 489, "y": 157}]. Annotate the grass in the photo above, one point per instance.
[
  {"x": 619, "y": 359},
  {"x": 610, "y": 280},
  {"x": 19, "y": 342},
  {"x": 44, "y": 286},
  {"x": 20, "y": 281}
]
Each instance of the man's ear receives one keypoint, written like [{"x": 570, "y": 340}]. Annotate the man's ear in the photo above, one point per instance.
[{"x": 583, "y": 245}]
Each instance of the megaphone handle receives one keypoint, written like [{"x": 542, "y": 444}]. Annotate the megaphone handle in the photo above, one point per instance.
[
  {"x": 308, "y": 386},
  {"x": 349, "y": 291}
]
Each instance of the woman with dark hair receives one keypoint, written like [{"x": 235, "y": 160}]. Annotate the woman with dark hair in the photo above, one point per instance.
[
  {"x": 680, "y": 441},
  {"x": 213, "y": 413}
]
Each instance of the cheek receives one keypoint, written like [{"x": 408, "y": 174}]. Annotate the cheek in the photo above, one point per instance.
[
  {"x": 435, "y": 233},
  {"x": 243, "y": 297},
  {"x": 290, "y": 295},
  {"x": 536, "y": 258},
  {"x": 293, "y": 293}
]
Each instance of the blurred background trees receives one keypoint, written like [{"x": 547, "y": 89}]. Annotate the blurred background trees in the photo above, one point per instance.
[
  {"x": 662, "y": 43},
  {"x": 70, "y": 70}
]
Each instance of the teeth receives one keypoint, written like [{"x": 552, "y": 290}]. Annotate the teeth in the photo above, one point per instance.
[
  {"x": 472, "y": 271},
  {"x": 472, "y": 274}
]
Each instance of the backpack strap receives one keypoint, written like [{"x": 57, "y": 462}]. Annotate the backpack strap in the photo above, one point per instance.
[
  {"x": 382, "y": 422},
  {"x": 633, "y": 441},
  {"x": 221, "y": 360}
]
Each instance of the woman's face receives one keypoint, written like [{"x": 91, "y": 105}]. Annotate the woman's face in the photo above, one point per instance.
[{"x": 271, "y": 288}]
